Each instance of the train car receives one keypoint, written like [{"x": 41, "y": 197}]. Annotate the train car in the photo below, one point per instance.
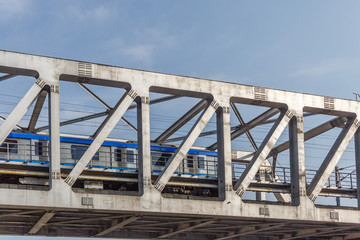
[{"x": 114, "y": 155}]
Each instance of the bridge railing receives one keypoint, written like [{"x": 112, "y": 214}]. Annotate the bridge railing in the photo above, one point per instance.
[
  {"x": 16, "y": 152},
  {"x": 343, "y": 178},
  {"x": 339, "y": 178},
  {"x": 282, "y": 174}
]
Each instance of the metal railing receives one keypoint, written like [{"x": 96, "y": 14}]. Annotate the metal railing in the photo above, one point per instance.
[
  {"x": 21, "y": 152},
  {"x": 12, "y": 150},
  {"x": 282, "y": 174},
  {"x": 339, "y": 178}
]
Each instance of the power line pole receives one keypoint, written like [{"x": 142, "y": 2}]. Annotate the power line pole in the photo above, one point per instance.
[{"x": 357, "y": 95}]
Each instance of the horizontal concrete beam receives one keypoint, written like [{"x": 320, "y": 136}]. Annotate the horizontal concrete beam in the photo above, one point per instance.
[{"x": 68, "y": 70}]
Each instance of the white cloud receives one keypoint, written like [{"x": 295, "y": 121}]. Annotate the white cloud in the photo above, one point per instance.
[
  {"x": 326, "y": 67},
  {"x": 140, "y": 52},
  {"x": 157, "y": 35},
  {"x": 12, "y": 9},
  {"x": 134, "y": 52},
  {"x": 143, "y": 45},
  {"x": 98, "y": 13}
]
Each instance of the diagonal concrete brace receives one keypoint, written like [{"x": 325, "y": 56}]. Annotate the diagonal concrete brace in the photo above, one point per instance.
[
  {"x": 260, "y": 156},
  {"x": 20, "y": 109},
  {"x": 103, "y": 132},
  {"x": 332, "y": 159},
  {"x": 185, "y": 146}
]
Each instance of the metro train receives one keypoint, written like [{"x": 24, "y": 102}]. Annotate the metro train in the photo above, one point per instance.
[{"x": 114, "y": 155}]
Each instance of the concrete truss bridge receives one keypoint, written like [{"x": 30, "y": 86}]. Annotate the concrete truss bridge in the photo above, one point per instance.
[{"x": 195, "y": 178}]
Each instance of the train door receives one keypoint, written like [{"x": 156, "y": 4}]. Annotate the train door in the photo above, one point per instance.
[
  {"x": 39, "y": 152},
  {"x": 105, "y": 157},
  {"x": 118, "y": 158},
  {"x": 131, "y": 158},
  {"x": 190, "y": 164},
  {"x": 125, "y": 159},
  {"x": 66, "y": 155},
  {"x": 201, "y": 166}
]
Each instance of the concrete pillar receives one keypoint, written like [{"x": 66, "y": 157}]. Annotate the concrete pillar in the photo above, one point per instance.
[
  {"x": 144, "y": 153},
  {"x": 54, "y": 133},
  {"x": 357, "y": 162},
  {"x": 224, "y": 151},
  {"x": 297, "y": 158}
]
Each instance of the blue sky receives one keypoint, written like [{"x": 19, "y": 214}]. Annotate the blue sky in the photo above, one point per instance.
[{"x": 306, "y": 46}]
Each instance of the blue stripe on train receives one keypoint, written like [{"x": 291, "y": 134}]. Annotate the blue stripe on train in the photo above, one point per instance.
[
  {"x": 63, "y": 164},
  {"x": 28, "y": 136},
  {"x": 108, "y": 143},
  {"x": 102, "y": 167}
]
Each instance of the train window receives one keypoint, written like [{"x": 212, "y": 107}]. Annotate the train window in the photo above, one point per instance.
[
  {"x": 9, "y": 144},
  {"x": 38, "y": 148},
  {"x": 130, "y": 156},
  {"x": 118, "y": 157},
  {"x": 77, "y": 151},
  {"x": 163, "y": 159},
  {"x": 201, "y": 162},
  {"x": 190, "y": 161}
]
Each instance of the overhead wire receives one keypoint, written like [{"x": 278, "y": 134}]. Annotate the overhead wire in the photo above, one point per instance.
[{"x": 167, "y": 119}]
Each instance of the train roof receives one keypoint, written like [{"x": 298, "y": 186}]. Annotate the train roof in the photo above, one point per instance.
[{"x": 69, "y": 138}]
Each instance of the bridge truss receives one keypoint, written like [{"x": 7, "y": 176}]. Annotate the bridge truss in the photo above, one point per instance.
[{"x": 59, "y": 207}]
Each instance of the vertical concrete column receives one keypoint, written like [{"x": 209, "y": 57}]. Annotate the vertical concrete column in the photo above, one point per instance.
[
  {"x": 144, "y": 157},
  {"x": 54, "y": 123},
  {"x": 224, "y": 151},
  {"x": 357, "y": 162},
  {"x": 294, "y": 161},
  {"x": 297, "y": 158}
]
